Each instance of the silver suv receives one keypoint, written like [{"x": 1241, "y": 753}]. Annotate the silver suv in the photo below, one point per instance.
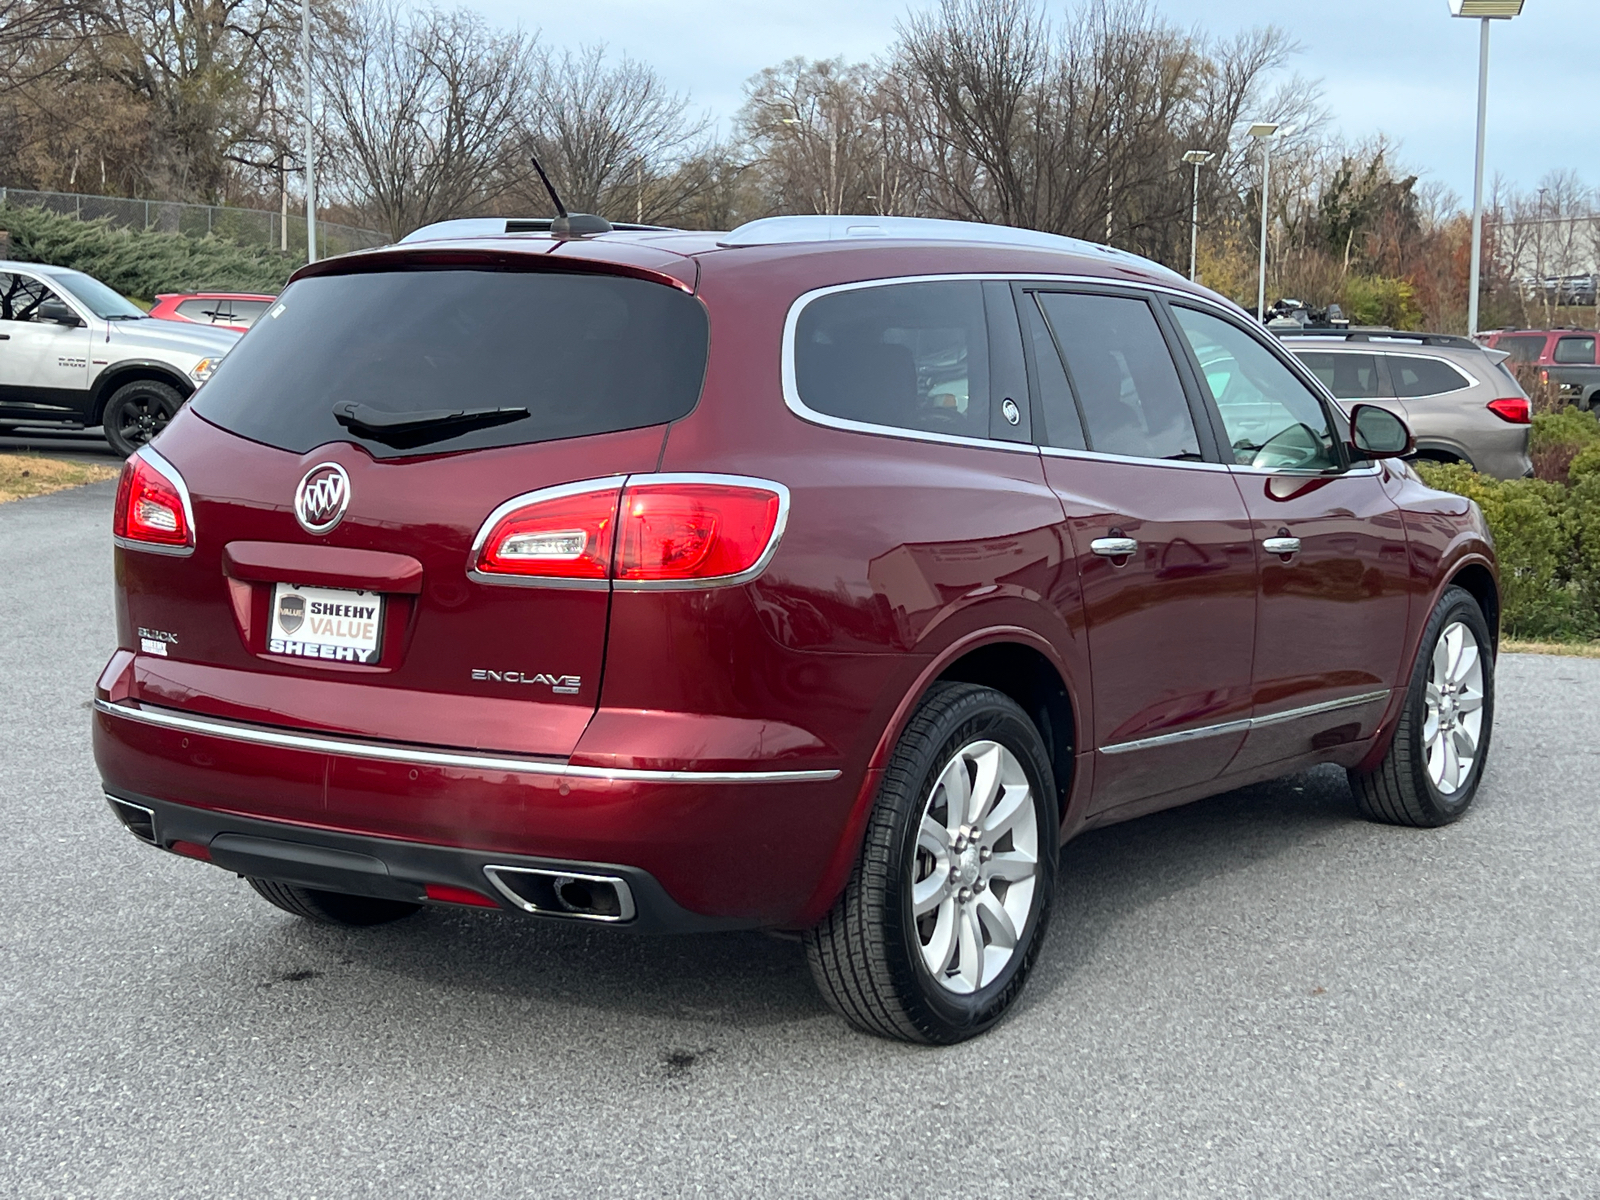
[
  {"x": 1460, "y": 400},
  {"x": 74, "y": 353}
]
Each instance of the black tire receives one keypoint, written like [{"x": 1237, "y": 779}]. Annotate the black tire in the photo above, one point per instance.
[
  {"x": 332, "y": 908},
  {"x": 138, "y": 411},
  {"x": 1401, "y": 791},
  {"x": 866, "y": 955}
]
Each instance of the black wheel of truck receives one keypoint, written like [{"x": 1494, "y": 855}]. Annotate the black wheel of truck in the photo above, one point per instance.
[{"x": 138, "y": 411}]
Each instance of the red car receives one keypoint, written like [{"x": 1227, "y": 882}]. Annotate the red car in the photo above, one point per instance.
[
  {"x": 1568, "y": 358},
  {"x": 232, "y": 310},
  {"x": 823, "y": 576}
]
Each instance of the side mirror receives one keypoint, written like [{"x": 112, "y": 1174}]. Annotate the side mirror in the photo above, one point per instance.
[
  {"x": 57, "y": 311},
  {"x": 1377, "y": 433}
]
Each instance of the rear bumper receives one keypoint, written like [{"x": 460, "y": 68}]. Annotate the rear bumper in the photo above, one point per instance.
[
  {"x": 361, "y": 865},
  {"x": 710, "y": 850}
]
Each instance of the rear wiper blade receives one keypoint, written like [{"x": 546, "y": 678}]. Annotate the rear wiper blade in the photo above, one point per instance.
[{"x": 407, "y": 429}]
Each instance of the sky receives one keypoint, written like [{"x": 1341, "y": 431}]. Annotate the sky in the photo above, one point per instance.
[{"x": 1403, "y": 68}]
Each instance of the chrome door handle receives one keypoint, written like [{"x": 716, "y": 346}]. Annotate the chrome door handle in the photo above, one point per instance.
[
  {"x": 1281, "y": 545},
  {"x": 1114, "y": 547}
]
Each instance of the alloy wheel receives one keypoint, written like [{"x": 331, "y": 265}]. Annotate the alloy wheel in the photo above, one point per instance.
[
  {"x": 977, "y": 862},
  {"x": 1453, "y": 727},
  {"x": 141, "y": 418}
]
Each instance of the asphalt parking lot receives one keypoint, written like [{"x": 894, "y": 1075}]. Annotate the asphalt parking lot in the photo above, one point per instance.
[{"x": 1257, "y": 995}]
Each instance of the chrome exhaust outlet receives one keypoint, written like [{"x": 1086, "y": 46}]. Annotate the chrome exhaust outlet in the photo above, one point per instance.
[
  {"x": 575, "y": 894},
  {"x": 140, "y": 821}
]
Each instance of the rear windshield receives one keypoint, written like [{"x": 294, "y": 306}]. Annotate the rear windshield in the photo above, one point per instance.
[{"x": 583, "y": 354}]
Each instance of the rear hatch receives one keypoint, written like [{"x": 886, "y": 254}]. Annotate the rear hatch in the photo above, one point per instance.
[{"x": 421, "y": 394}]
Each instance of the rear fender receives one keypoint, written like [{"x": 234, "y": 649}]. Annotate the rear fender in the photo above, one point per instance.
[{"x": 837, "y": 872}]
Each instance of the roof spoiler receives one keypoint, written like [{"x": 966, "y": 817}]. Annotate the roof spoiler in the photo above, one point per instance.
[{"x": 484, "y": 227}]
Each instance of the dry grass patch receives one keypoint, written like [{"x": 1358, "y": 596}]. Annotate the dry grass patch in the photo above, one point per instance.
[
  {"x": 1575, "y": 649},
  {"x": 30, "y": 475}
]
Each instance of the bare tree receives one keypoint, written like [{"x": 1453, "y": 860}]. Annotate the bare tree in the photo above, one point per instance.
[
  {"x": 1077, "y": 129},
  {"x": 821, "y": 137},
  {"x": 614, "y": 139},
  {"x": 423, "y": 108}
]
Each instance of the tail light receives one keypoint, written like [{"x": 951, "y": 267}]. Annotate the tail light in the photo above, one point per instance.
[
  {"x": 695, "y": 532},
  {"x": 560, "y": 535},
  {"x": 153, "y": 511},
  {"x": 657, "y": 531},
  {"x": 1512, "y": 408}
]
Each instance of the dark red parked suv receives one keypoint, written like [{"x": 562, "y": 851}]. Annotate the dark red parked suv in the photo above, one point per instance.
[{"x": 822, "y": 576}]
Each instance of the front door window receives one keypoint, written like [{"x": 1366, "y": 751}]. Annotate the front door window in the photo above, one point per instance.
[{"x": 1273, "y": 420}]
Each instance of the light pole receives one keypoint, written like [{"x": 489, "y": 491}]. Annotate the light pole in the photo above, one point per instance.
[
  {"x": 1198, "y": 159},
  {"x": 311, "y": 149},
  {"x": 1264, "y": 132},
  {"x": 1483, "y": 11}
]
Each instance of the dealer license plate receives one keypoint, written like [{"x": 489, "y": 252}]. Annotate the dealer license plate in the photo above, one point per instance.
[{"x": 325, "y": 623}]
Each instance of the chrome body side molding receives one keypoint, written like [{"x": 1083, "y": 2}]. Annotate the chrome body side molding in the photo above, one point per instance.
[{"x": 1246, "y": 724}]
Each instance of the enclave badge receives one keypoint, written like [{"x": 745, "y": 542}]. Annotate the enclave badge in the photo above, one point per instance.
[{"x": 322, "y": 497}]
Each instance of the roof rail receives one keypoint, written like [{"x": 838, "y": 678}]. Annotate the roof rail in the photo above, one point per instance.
[
  {"x": 1379, "y": 334},
  {"x": 481, "y": 227},
  {"x": 779, "y": 231}
]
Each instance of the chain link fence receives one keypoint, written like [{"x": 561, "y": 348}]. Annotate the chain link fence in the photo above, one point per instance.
[{"x": 242, "y": 226}]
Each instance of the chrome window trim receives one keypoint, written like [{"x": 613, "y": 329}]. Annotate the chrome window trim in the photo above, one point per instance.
[
  {"x": 791, "y": 391},
  {"x": 170, "y": 473},
  {"x": 1101, "y": 456},
  {"x": 1393, "y": 350},
  {"x": 605, "y": 482},
  {"x": 319, "y": 744},
  {"x": 1246, "y": 724}
]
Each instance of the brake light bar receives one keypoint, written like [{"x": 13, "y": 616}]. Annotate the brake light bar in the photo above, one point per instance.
[
  {"x": 153, "y": 511},
  {"x": 1514, "y": 409},
  {"x": 642, "y": 532}
]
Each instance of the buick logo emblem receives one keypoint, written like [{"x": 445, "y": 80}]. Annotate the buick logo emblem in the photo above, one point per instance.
[{"x": 322, "y": 497}]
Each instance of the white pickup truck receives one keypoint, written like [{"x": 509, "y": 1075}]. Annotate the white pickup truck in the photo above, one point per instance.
[{"x": 75, "y": 354}]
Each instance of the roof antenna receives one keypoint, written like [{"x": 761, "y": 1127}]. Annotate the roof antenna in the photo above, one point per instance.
[{"x": 568, "y": 224}]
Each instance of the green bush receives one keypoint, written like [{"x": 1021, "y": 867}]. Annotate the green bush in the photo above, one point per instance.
[
  {"x": 1378, "y": 300},
  {"x": 1585, "y": 463},
  {"x": 1547, "y": 538},
  {"x": 143, "y": 263},
  {"x": 1566, "y": 427}
]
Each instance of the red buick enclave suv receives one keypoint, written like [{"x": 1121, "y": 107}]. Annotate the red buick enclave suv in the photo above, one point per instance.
[{"x": 822, "y": 576}]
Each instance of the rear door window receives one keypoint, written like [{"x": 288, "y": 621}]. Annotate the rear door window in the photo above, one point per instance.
[
  {"x": 1273, "y": 420},
  {"x": 907, "y": 355},
  {"x": 1062, "y": 426},
  {"x": 1524, "y": 348},
  {"x": 1129, "y": 398},
  {"x": 1575, "y": 351},
  {"x": 1413, "y": 376},
  {"x": 1348, "y": 376},
  {"x": 576, "y": 354}
]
